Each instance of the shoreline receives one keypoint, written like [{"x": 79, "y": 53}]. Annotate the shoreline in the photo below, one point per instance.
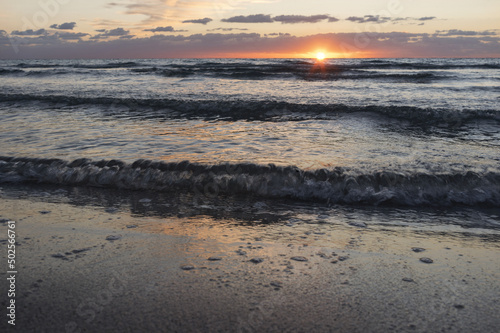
[{"x": 318, "y": 276}]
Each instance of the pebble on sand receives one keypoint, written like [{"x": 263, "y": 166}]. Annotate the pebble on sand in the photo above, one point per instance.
[
  {"x": 417, "y": 249},
  {"x": 241, "y": 252},
  {"x": 408, "y": 280},
  {"x": 358, "y": 224},
  {"x": 214, "y": 258},
  {"x": 44, "y": 211},
  {"x": 113, "y": 237},
  {"x": 256, "y": 260},
  {"x": 260, "y": 205},
  {"x": 81, "y": 250},
  {"x": 299, "y": 258},
  {"x": 187, "y": 267},
  {"x": 427, "y": 260},
  {"x": 276, "y": 284}
]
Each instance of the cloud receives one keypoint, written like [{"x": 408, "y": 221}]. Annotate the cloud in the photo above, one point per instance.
[
  {"x": 153, "y": 10},
  {"x": 103, "y": 23},
  {"x": 215, "y": 45},
  {"x": 29, "y": 32},
  {"x": 369, "y": 18},
  {"x": 164, "y": 29},
  {"x": 203, "y": 21},
  {"x": 300, "y": 18},
  {"x": 456, "y": 32},
  {"x": 280, "y": 34},
  {"x": 34, "y": 41},
  {"x": 117, "y": 32},
  {"x": 258, "y": 18},
  {"x": 64, "y": 26},
  {"x": 156, "y": 12},
  {"x": 71, "y": 35},
  {"x": 377, "y": 19},
  {"x": 284, "y": 19},
  {"x": 161, "y": 29},
  {"x": 427, "y": 18},
  {"x": 228, "y": 29}
]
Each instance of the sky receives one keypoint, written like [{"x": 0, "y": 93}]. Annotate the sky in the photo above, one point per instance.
[{"x": 75, "y": 29}]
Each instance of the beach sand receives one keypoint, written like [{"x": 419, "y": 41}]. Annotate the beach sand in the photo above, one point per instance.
[{"x": 185, "y": 272}]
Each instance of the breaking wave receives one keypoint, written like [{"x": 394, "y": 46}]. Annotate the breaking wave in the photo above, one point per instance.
[
  {"x": 266, "y": 110},
  {"x": 336, "y": 185},
  {"x": 4, "y": 71},
  {"x": 126, "y": 64}
]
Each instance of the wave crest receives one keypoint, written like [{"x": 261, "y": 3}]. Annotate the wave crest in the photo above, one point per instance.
[
  {"x": 336, "y": 185},
  {"x": 266, "y": 110}
]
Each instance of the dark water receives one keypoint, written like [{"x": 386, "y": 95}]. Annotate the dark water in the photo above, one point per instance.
[{"x": 397, "y": 132}]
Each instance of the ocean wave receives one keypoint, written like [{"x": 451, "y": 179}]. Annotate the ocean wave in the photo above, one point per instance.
[
  {"x": 37, "y": 65},
  {"x": 407, "y": 77},
  {"x": 145, "y": 70},
  {"x": 414, "y": 64},
  {"x": 476, "y": 88},
  {"x": 5, "y": 71},
  {"x": 266, "y": 110},
  {"x": 48, "y": 72},
  {"x": 427, "y": 66},
  {"x": 240, "y": 73},
  {"x": 44, "y": 71},
  {"x": 110, "y": 65},
  {"x": 338, "y": 185},
  {"x": 107, "y": 65},
  {"x": 304, "y": 69}
]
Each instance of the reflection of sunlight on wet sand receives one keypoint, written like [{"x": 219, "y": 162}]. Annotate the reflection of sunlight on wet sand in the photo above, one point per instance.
[{"x": 333, "y": 271}]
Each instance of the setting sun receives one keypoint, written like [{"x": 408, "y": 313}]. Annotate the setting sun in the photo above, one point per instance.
[{"x": 320, "y": 56}]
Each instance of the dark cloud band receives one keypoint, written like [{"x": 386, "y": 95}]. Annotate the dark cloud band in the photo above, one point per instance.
[
  {"x": 64, "y": 26},
  {"x": 394, "y": 44},
  {"x": 285, "y": 19},
  {"x": 203, "y": 21},
  {"x": 164, "y": 29}
]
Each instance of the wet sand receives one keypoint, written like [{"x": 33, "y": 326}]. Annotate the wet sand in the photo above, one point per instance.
[{"x": 205, "y": 274}]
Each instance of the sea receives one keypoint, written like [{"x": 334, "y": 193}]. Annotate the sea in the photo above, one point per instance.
[{"x": 407, "y": 142}]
